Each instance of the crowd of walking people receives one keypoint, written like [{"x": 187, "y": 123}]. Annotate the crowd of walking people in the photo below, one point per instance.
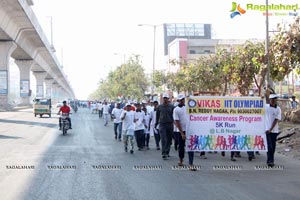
[{"x": 135, "y": 123}]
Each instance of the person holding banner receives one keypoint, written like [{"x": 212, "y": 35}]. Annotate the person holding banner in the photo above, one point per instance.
[
  {"x": 180, "y": 118},
  {"x": 272, "y": 116},
  {"x": 176, "y": 131},
  {"x": 164, "y": 117}
]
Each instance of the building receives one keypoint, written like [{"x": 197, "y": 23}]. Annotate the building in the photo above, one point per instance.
[
  {"x": 185, "y": 50},
  {"x": 185, "y": 30}
]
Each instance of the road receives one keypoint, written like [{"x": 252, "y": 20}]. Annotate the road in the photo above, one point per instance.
[{"x": 75, "y": 166}]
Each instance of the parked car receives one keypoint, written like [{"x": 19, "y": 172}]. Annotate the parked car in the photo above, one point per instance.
[{"x": 286, "y": 96}]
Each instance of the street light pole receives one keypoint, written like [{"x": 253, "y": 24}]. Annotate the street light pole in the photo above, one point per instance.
[
  {"x": 267, "y": 46},
  {"x": 51, "y": 34},
  {"x": 153, "y": 62},
  {"x": 269, "y": 82},
  {"x": 153, "y": 57}
]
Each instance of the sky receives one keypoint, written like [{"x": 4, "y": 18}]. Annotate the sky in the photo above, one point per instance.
[{"x": 92, "y": 37}]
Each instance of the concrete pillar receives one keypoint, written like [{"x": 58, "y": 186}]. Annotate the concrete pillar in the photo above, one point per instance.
[
  {"x": 24, "y": 67},
  {"x": 54, "y": 96},
  {"x": 62, "y": 93},
  {"x": 6, "y": 49},
  {"x": 59, "y": 92},
  {"x": 48, "y": 83},
  {"x": 40, "y": 78}
]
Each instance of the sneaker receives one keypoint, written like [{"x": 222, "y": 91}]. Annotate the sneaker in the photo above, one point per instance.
[
  {"x": 192, "y": 168},
  {"x": 270, "y": 164},
  {"x": 131, "y": 151},
  {"x": 238, "y": 155},
  {"x": 180, "y": 163}
]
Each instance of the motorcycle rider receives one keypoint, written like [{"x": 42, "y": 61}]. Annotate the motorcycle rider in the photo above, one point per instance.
[{"x": 65, "y": 109}]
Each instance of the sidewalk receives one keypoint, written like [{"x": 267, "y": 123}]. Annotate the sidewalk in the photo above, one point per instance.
[
  {"x": 13, "y": 109},
  {"x": 17, "y": 108}
]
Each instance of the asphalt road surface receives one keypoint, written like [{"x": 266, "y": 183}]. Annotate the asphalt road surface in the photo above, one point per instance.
[{"x": 38, "y": 162}]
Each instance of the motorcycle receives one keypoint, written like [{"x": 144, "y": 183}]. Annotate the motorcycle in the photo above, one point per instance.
[
  {"x": 65, "y": 126},
  {"x": 75, "y": 108}
]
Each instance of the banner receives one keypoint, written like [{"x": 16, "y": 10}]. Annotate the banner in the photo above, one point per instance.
[
  {"x": 24, "y": 88},
  {"x": 3, "y": 82},
  {"x": 39, "y": 91},
  {"x": 219, "y": 123}
]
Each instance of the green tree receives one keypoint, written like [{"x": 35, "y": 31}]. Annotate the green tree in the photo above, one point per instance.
[
  {"x": 128, "y": 79},
  {"x": 285, "y": 51},
  {"x": 247, "y": 69}
]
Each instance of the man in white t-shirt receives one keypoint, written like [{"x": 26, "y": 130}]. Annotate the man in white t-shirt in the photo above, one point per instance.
[
  {"x": 272, "y": 116},
  {"x": 147, "y": 128},
  {"x": 93, "y": 107},
  {"x": 180, "y": 118},
  {"x": 139, "y": 119},
  {"x": 105, "y": 113},
  {"x": 150, "y": 107},
  {"x": 128, "y": 127},
  {"x": 98, "y": 106},
  {"x": 116, "y": 115}
]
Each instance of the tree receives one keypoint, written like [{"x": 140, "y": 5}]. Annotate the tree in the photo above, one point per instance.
[
  {"x": 128, "y": 79},
  {"x": 177, "y": 81},
  {"x": 159, "y": 78},
  {"x": 247, "y": 69},
  {"x": 285, "y": 51}
]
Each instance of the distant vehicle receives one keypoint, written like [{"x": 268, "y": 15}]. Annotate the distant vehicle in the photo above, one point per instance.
[
  {"x": 65, "y": 123},
  {"x": 42, "y": 107},
  {"x": 286, "y": 96}
]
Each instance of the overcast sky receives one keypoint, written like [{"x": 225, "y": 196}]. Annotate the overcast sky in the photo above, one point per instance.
[{"x": 87, "y": 34}]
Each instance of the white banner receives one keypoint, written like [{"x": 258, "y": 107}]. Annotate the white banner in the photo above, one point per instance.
[
  {"x": 24, "y": 88},
  {"x": 3, "y": 82},
  {"x": 220, "y": 123},
  {"x": 39, "y": 91}
]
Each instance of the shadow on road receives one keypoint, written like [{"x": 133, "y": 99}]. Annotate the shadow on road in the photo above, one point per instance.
[
  {"x": 23, "y": 111},
  {"x": 28, "y": 123},
  {"x": 9, "y": 137}
]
